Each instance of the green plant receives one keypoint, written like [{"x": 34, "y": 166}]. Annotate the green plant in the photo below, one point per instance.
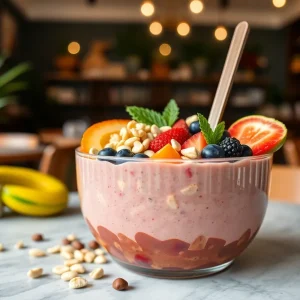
[{"x": 10, "y": 84}]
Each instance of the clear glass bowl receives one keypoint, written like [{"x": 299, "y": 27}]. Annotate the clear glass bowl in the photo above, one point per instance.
[{"x": 173, "y": 218}]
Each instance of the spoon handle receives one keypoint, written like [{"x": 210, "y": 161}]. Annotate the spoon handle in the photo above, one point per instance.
[{"x": 232, "y": 60}]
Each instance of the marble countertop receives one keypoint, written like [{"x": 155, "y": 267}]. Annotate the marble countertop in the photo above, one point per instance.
[{"x": 269, "y": 268}]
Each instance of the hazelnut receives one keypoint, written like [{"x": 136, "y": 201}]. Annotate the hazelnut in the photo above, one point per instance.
[
  {"x": 93, "y": 245},
  {"x": 37, "y": 237},
  {"x": 77, "y": 245},
  {"x": 65, "y": 241},
  {"x": 120, "y": 284}
]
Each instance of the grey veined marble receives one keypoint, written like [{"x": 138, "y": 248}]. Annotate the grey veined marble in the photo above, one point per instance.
[{"x": 268, "y": 270}]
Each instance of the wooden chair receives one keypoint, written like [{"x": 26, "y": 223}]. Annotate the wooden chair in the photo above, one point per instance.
[
  {"x": 291, "y": 150},
  {"x": 285, "y": 184},
  {"x": 58, "y": 160}
]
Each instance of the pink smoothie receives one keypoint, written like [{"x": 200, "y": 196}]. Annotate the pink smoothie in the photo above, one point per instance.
[{"x": 221, "y": 203}]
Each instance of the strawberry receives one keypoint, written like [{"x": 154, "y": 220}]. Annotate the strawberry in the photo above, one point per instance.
[
  {"x": 181, "y": 124},
  {"x": 197, "y": 140},
  {"x": 178, "y": 134}
]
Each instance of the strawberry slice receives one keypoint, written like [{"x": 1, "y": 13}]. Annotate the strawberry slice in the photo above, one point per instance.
[
  {"x": 197, "y": 140},
  {"x": 98, "y": 135},
  {"x": 181, "y": 124},
  {"x": 178, "y": 134}
]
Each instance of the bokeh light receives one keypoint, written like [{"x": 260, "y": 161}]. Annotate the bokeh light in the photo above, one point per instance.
[
  {"x": 196, "y": 6},
  {"x": 73, "y": 48},
  {"x": 165, "y": 49},
  {"x": 279, "y": 3},
  {"x": 155, "y": 28},
  {"x": 183, "y": 29},
  {"x": 147, "y": 8},
  {"x": 220, "y": 33}
]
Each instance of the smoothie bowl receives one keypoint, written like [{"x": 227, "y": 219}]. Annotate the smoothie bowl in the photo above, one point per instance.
[{"x": 169, "y": 212}]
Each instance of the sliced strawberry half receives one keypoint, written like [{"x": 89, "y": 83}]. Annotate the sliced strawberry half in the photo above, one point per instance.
[
  {"x": 181, "y": 124},
  {"x": 263, "y": 135},
  {"x": 178, "y": 134},
  {"x": 197, "y": 140},
  {"x": 98, "y": 135}
]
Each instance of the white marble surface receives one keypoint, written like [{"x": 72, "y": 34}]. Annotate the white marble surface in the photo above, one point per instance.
[{"x": 269, "y": 269}]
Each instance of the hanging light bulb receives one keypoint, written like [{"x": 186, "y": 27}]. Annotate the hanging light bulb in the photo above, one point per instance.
[
  {"x": 183, "y": 28},
  {"x": 155, "y": 28},
  {"x": 221, "y": 33},
  {"x": 196, "y": 6},
  {"x": 279, "y": 3},
  {"x": 73, "y": 48},
  {"x": 165, "y": 49},
  {"x": 147, "y": 8}
]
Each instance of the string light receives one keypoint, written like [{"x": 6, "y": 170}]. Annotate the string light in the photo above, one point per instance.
[
  {"x": 147, "y": 8},
  {"x": 155, "y": 28},
  {"x": 279, "y": 3},
  {"x": 165, "y": 49},
  {"x": 220, "y": 33},
  {"x": 73, "y": 48},
  {"x": 196, "y": 6},
  {"x": 183, "y": 28}
]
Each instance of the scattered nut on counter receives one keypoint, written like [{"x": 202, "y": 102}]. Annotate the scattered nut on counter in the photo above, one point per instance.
[
  {"x": 35, "y": 252},
  {"x": 37, "y": 237},
  {"x": 97, "y": 273},
  {"x": 67, "y": 276},
  {"x": 120, "y": 284},
  {"x": 58, "y": 270},
  {"x": 71, "y": 237},
  {"x": 100, "y": 259},
  {"x": 65, "y": 241},
  {"x": 79, "y": 255},
  {"x": 19, "y": 245},
  {"x": 99, "y": 251},
  {"x": 1, "y": 247},
  {"x": 93, "y": 245},
  {"x": 35, "y": 273},
  {"x": 78, "y": 283},
  {"x": 71, "y": 262},
  {"x": 54, "y": 249},
  {"x": 77, "y": 245},
  {"x": 79, "y": 268}
]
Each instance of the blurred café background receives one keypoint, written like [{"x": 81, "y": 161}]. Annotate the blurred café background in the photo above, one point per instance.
[{"x": 66, "y": 64}]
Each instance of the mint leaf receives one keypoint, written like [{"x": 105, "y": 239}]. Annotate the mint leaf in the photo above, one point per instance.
[
  {"x": 171, "y": 112},
  {"x": 146, "y": 116},
  {"x": 211, "y": 137},
  {"x": 205, "y": 129},
  {"x": 219, "y": 132}
]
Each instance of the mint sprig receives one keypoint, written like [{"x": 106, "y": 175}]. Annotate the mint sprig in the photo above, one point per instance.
[
  {"x": 150, "y": 116},
  {"x": 211, "y": 136}
]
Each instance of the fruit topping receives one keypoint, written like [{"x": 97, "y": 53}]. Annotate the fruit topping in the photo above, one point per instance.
[
  {"x": 178, "y": 134},
  {"x": 181, "y": 124},
  {"x": 166, "y": 152},
  {"x": 225, "y": 135},
  {"x": 124, "y": 153},
  {"x": 232, "y": 147},
  {"x": 107, "y": 152},
  {"x": 212, "y": 151},
  {"x": 140, "y": 155},
  {"x": 197, "y": 140},
  {"x": 246, "y": 151},
  {"x": 263, "y": 135},
  {"x": 98, "y": 135},
  {"x": 194, "y": 127}
]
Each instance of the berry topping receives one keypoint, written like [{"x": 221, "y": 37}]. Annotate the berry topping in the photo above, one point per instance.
[
  {"x": 124, "y": 153},
  {"x": 212, "y": 151},
  {"x": 178, "y": 134},
  {"x": 225, "y": 135},
  {"x": 195, "y": 127},
  {"x": 98, "y": 135},
  {"x": 166, "y": 152},
  {"x": 107, "y": 152},
  {"x": 140, "y": 155},
  {"x": 232, "y": 147},
  {"x": 246, "y": 150},
  {"x": 197, "y": 140},
  {"x": 181, "y": 124}
]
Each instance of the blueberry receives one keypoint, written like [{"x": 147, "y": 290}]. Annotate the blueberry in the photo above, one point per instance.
[
  {"x": 141, "y": 155},
  {"x": 124, "y": 153},
  {"x": 225, "y": 135},
  {"x": 212, "y": 151},
  {"x": 194, "y": 127},
  {"x": 246, "y": 150},
  {"x": 107, "y": 152}
]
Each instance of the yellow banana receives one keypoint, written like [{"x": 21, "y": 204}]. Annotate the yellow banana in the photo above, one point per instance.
[{"x": 30, "y": 192}]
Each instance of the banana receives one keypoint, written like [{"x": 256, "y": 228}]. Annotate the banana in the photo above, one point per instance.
[{"x": 32, "y": 193}]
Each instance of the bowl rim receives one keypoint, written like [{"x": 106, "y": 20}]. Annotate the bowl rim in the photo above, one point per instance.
[{"x": 176, "y": 160}]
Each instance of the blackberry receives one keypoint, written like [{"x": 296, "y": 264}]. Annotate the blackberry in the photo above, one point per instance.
[{"x": 232, "y": 147}]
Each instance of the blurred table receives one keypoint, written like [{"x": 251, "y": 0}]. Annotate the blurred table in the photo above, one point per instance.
[{"x": 267, "y": 270}]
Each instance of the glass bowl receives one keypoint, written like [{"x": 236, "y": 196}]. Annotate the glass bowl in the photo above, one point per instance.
[{"x": 173, "y": 218}]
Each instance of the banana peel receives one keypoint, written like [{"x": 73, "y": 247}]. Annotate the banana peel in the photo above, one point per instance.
[{"x": 32, "y": 193}]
